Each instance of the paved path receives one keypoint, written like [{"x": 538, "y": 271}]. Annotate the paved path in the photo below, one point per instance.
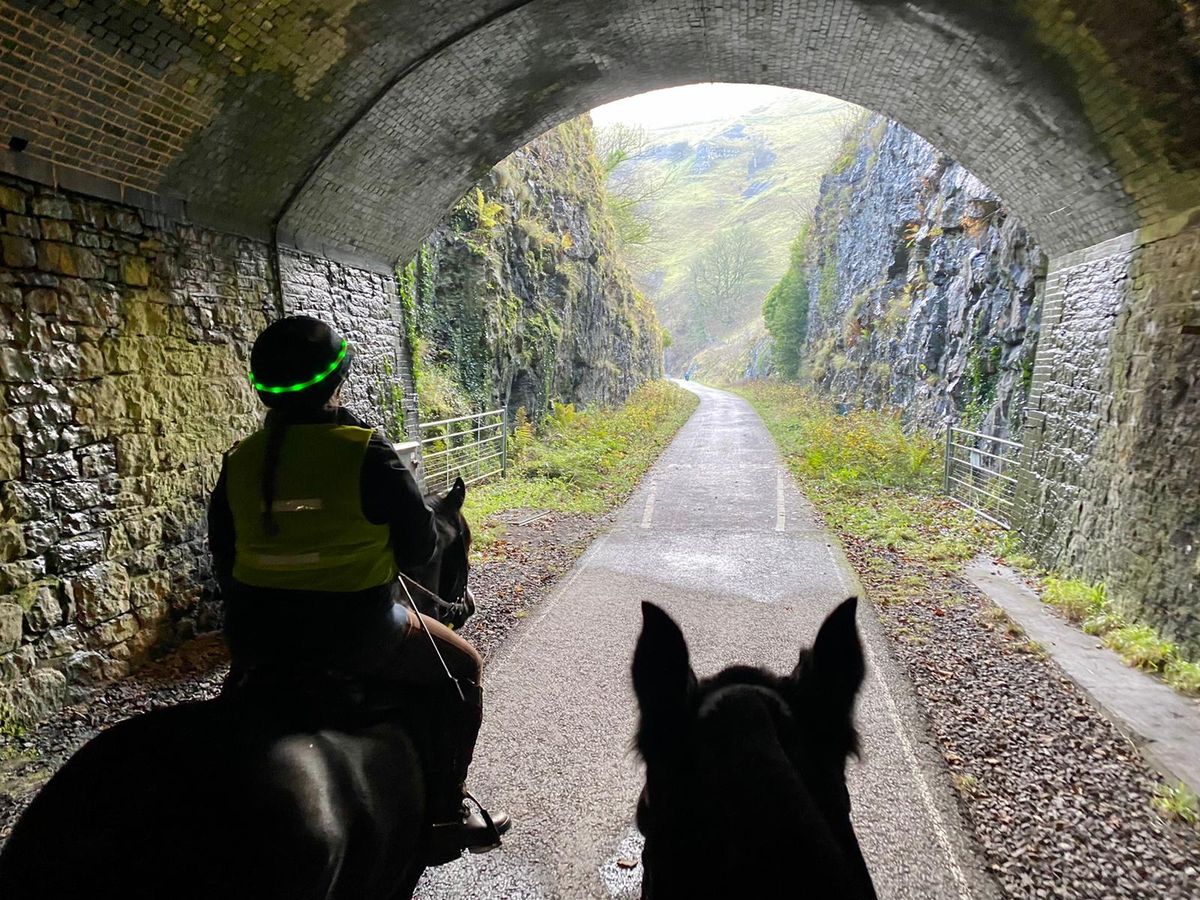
[{"x": 718, "y": 535}]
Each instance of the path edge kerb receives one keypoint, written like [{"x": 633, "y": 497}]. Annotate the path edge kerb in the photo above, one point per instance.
[{"x": 1070, "y": 651}]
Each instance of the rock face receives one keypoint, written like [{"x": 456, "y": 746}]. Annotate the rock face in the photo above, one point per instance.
[
  {"x": 522, "y": 296},
  {"x": 922, "y": 288}
]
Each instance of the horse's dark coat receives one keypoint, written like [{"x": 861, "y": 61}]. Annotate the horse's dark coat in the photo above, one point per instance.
[
  {"x": 745, "y": 772},
  {"x": 243, "y": 798}
]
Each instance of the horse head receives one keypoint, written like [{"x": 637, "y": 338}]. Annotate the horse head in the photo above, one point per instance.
[
  {"x": 745, "y": 789},
  {"x": 444, "y": 593}
]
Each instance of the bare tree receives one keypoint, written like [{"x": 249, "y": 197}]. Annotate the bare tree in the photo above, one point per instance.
[
  {"x": 719, "y": 275},
  {"x": 620, "y": 143},
  {"x": 633, "y": 185}
]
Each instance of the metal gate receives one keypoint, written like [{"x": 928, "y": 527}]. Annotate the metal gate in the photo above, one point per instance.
[
  {"x": 981, "y": 473},
  {"x": 474, "y": 447}
]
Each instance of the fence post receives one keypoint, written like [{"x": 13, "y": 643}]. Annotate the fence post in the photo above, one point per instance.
[
  {"x": 504, "y": 441},
  {"x": 949, "y": 450}
]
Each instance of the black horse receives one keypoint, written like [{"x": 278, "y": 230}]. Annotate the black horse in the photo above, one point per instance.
[
  {"x": 745, "y": 790},
  {"x": 260, "y": 795}
]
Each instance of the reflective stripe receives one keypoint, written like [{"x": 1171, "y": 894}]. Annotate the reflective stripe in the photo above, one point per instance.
[
  {"x": 297, "y": 561},
  {"x": 304, "y": 505}
]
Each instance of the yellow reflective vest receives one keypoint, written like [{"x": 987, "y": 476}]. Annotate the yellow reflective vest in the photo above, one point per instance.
[{"x": 323, "y": 542}]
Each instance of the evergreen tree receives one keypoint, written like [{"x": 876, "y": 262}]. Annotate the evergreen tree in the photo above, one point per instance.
[{"x": 786, "y": 311}]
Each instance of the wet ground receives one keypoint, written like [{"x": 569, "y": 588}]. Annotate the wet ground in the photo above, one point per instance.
[{"x": 718, "y": 535}]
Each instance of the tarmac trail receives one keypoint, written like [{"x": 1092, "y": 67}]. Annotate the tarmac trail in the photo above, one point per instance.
[{"x": 718, "y": 535}]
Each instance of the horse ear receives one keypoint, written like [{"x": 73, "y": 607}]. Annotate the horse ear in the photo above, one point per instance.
[
  {"x": 662, "y": 670},
  {"x": 837, "y": 655},
  {"x": 453, "y": 500}
]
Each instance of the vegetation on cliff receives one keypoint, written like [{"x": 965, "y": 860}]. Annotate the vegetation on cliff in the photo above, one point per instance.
[
  {"x": 522, "y": 297},
  {"x": 912, "y": 287}
]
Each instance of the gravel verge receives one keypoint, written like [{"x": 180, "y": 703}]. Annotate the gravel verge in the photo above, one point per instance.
[
  {"x": 509, "y": 577},
  {"x": 1058, "y": 799}
]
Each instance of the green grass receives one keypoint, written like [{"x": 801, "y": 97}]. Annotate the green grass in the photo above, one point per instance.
[
  {"x": 583, "y": 461},
  {"x": 1140, "y": 646},
  {"x": 1177, "y": 802},
  {"x": 1184, "y": 676},
  {"x": 1076, "y": 600}
]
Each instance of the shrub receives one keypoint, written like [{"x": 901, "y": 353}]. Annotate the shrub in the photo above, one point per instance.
[
  {"x": 1184, "y": 676},
  {"x": 1075, "y": 599}
]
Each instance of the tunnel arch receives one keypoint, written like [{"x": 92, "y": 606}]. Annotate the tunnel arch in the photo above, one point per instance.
[{"x": 353, "y": 126}]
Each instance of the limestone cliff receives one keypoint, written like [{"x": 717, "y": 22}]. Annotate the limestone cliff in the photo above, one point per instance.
[
  {"x": 521, "y": 297},
  {"x": 921, "y": 287}
]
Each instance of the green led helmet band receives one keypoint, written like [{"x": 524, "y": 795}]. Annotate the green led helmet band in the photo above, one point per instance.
[{"x": 316, "y": 379}]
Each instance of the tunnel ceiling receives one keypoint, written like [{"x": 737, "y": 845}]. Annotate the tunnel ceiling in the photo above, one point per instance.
[{"x": 354, "y": 124}]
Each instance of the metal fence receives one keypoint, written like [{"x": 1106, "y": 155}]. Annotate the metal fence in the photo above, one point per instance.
[
  {"x": 474, "y": 447},
  {"x": 981, "y": 473}
]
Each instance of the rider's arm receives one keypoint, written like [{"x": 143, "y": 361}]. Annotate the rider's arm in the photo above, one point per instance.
[
  {"x": 221, "y": 537},
  {"x": 390, "y": 496}
]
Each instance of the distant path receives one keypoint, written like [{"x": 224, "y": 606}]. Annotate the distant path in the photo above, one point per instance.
[{"x": 718, "y": 535}]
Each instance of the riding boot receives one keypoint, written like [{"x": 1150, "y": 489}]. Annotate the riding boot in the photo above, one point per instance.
[{"x": 455, "y": 826}]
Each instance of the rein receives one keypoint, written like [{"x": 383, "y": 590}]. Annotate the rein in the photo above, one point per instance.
[{"x": 425, "y": 628}]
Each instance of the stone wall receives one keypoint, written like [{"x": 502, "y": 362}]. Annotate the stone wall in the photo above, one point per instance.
[
  {"x": 363, "y": 305},
  {"x": 1111, "y": 482},
  {"x": 124, "y": 342}
]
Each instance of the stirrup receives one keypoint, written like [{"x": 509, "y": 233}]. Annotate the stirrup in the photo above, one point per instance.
[{"x": 487, "y": 818}]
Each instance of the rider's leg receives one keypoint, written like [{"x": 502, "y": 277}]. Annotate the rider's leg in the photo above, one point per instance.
[{"x": 455, "y": 723}]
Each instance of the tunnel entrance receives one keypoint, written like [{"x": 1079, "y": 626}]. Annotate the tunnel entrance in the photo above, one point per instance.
[{"x": 174, "y": 180}]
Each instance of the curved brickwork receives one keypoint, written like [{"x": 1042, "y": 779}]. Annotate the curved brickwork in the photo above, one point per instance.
[{"x": 1080, "y": 113}]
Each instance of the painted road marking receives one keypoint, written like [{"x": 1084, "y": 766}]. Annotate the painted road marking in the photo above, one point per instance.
[
  {"x": 648, "y": 515},
  {"x": 780, "y": 510}
]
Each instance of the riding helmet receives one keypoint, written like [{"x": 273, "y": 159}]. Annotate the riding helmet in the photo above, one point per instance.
[{"x": 298, "y": 362}]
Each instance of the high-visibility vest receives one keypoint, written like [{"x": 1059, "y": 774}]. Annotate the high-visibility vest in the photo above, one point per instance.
[{"x": 323, "y": 542}]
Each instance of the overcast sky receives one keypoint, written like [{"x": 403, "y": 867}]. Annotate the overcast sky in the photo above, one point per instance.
[{"x": 687, "y": 104}]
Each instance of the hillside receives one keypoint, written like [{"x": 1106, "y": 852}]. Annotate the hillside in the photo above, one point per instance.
[{"x": 737, "y": 190}]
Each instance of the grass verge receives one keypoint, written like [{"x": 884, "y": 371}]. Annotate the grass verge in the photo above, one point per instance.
[
  {"x": 873, "y": 481},
  {"x": 582, "y": 461},
  {"x": 868, "y": 477}
]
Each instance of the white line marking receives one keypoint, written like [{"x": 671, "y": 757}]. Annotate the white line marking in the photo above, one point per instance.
[
  {"x": 780, "y": 509},
  {"x": 648, "y": 515},
  {"x": 939, "y": 827}
]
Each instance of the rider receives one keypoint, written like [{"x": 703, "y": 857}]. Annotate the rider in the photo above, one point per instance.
[{"x": 311, "y": 520}]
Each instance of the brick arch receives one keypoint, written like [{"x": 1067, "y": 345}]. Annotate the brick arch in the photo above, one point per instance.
[{"x": 354, "y": 124}]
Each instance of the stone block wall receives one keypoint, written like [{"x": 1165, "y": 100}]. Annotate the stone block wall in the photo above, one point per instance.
[
  {"x": 124, "y": 342},
  {"x": 1111, "y": 489},
  {"x": 365, "y": 308}
]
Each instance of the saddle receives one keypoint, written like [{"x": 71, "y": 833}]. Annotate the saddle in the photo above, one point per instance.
[{"x": 313, "y": 698}]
